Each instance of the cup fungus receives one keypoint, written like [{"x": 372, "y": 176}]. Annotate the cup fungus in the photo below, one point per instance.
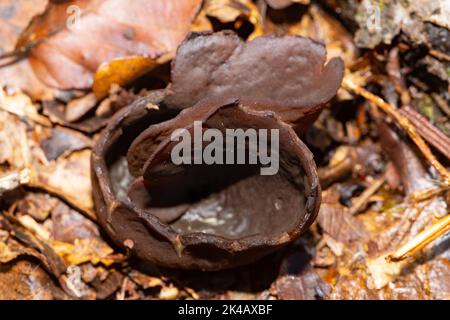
[{"x": 218, "y": 215}]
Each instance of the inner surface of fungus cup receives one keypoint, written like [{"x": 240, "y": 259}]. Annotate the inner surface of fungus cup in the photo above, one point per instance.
[{"x": 215, "y": 216}]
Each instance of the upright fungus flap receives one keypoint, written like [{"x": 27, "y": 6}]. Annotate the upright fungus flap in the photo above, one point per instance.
[{"x": 285, "y": 74}]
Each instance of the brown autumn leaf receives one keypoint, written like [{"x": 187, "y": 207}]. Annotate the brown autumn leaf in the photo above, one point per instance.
[
  {"x": 92, "y": 250},
  {"x": 13, "y": 143},
  {"x": 282, "y": 4},
  {"x": 235, "y": 11},
  {"x": 61, "y": 142},
  {"x": 31, "y": 244},
  {"x": 37, "y": 205},
  {"x": 68, "y": 225},
  {"x": 69, "y": 178},
  {"x": 297, "y": 279},
  {"x": 71, "y": 39},
  {"x": 122, "y": 71},
  {"x": 26, "y": 280},
  {"x": 21, "y": 105},
  {"x": 228, "y": 10},
  {"x": 14, "y": 17},
  {"x": 145, "y": 281}
]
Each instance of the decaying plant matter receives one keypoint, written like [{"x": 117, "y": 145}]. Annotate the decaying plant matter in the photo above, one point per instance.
[{"x": 91, "y": 207}]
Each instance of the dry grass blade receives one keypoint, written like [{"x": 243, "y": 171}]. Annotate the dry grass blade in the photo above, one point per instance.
[
  {"x": 426, "y": 194},
  {"x": 421, "y": 240},
  {"x": 364, "y": 197},
  {"x": 403, "y": 123}
]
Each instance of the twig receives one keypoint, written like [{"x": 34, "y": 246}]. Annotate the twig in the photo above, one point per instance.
[
  {"x": 421, "y": 240},
  {"x": 403, "y": 123},
  {"x": 440, "y": 55},
  {"x": 362, "y": 200},
  {"x": 441, "y": 103},
  {"x": 426, "y": 194},
  {"x": 430, "y": 133},
  {"x": 330, "y": 174}
]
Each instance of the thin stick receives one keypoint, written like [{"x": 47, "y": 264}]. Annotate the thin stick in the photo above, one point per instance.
[
  {"x": 421, "y": 240},
  {"x": 404, "y": 123},
  {"x": 427, "y": 131},
  {"x": 362, "y": 200},
  {"x": 426, "y": 194}
]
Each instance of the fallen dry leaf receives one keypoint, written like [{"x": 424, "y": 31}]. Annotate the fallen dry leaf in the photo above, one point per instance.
[
  {"x": 146, "y": 281},
  {"x": 281, "y": 4},
  {"x": 169, "y": 293},
  {"x": 298, "y": 280},
  {"x": 235, "y": 11},
  {"x": 6, "y": 254},
  {"x": 228, "y": 10},
  {"x": 25, "y": 280},
  {"x": 37, "y": 205},
  {"x": 79, "y": 107},
  {"x": 69, "y": 225},
  {"x": 68, "y": 178},
  {"x": 14, "y": 17},
  {"x": 122, "y": 71},
  {"x": 92, "y": 250},
  {"x": 14, "y": 147},
  {"x": 21, "y": 105},
  {"x": 69, "y": 46},
  {"x": 61, "y": 142}
]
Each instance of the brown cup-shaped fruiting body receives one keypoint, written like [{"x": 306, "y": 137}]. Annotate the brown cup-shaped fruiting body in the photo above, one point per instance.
[
  {"x": 195, "y": 216},
  {"x": 216, "y": 216}
]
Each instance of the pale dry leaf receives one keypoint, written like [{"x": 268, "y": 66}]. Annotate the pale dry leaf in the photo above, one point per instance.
[
  {"x": 68, "y": 178},
  {"x": 382, "y": 271},
  {"x": 14, "y": 146},
  {"x": 169, "y": 293},
  {"x": 92, "y": 250},
  {"x": 146, "y": 281},
  {"x": 21, "y": 105}
]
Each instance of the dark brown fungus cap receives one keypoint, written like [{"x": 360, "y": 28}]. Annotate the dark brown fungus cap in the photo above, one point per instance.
[
  {"x": 205, "y": 217},
  {"x": 210, "y": 217},
  {"x": 287, "y": 75}
]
